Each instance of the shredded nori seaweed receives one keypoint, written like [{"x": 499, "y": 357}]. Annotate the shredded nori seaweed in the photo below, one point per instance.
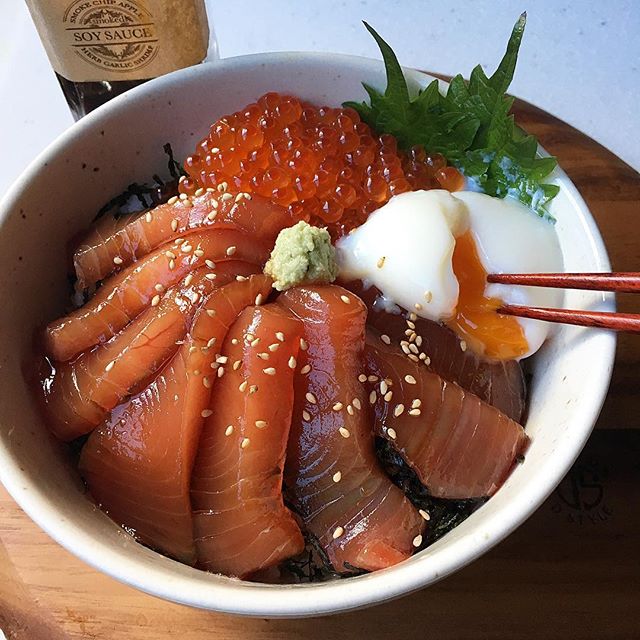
[
  {"x": 147, "y": 195},
  {"x": 444, "y": 514}
]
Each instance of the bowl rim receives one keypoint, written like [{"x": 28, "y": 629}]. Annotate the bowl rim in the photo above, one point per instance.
[{"x": 253, "y": 599}]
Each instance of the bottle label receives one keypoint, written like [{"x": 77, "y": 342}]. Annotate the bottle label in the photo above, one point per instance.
[{"x": 93, "y": 40}]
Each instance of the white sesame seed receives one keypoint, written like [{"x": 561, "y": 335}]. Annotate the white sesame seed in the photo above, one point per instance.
[
  {"x": 399, "y": 410},
  {"x": 148, "y": 217},
  {"x": 357, "y": 404},
  {"x": 416, "y": 403},
  {"x": 240, "y": 278},
  {"x": 229, "y": 430},
  {"x": 405, "y": 347},
  {"x": 220, "y": 372},
  {"x": 305, "y": 369},
  {"x": 303, "y": 344},
  {"x": 428, "y": 296},
  {"x": 372, "y": 379},
  {"x": 344, "y": 432},
  {"x": 188, "y": 280},
  {"x": 261, "y": 424},
  {"x": 172, "y": 265},
  {"x": 373, "y": 396},
  {"x": 413, "y": 349},
  {"x": 248, "y": 196},
  {"x": 226, "y": 196},
  {"x": 280, "y": 336},
  {"x": 206, "y": 413},
  {"x": 172, "y": 200},
  {"x": 239, "y": 197},
  {"x": 413, "y": 357},
  {"x": 186, "y": 247},
  {"x": 206, "y": 382},
  {"x": 270, "y": 371},
  {"x": 385, "y": 338},
  {"x": 237, "y": 364},
  {"x": 174, "y": 224},
  {"x": 380, "y": 262},
  {"x": 118, "y": 260},
  {"x": 306, "y": 415},
  {"x": 463, "y": 345},
  {"x": 418, "y": 306},
  {"x": 231, "y": 250},
  {"x": 384, "y": 387},
  {"x": 198, "y": 192},
  {"x": 234, "y": 340},
  {"x": 249, "y": 337},
  {"x": 411, "y": 324},
  {"x": 183, "y": 196},
  {"x": 311, "y": 398},
  {"x": 243, "y": 386},
  {"x": 210, "y": 263},
  {"x": 253, "y": 388},
  {"x": 211, "y": 312},
  {"x": 337, "y": 532},
  {"x": 292, "y": 363},
  {"x": 409, "y": 379},
  {"x": 414, "y": 412},
  {"x": 211, "y": 342},
  {"x": 362, "y": 378},
  {"x": 214, "y": 203},
  {"x": 255, "y": 342},
  {"x": 419, "y": 340},
  {"x": 388, "y": 396},
  {"x": 178, "y": 241},
  {"x": 345, "y": 299},
  {"x": 424, "y": 514},
  {"x": 274, "y": 346},
  {"x": 259, "y": 299},
  {"x": 222, "y": 359},
  {"x": 210, "y": 276},
  {"x": 337, "y": 476},
  {"x": 337, "y": 406},
  {"x": 199, "y": 253},
  {"x": 159, "y": 287},
  {"x": 245, "y": 443},
  {"x": 192, "y": 349},
  {"x": 110, "y": 366},
  {"x": 155, "y": 301},
  {"x": 350, "y": 410},
  {"x": 413, "y": 317},
  {"x": 417, "y": 541},
  {"x": 196, "y": 372},
  {"x": 222, "y": 186},
  {"x": 263, "y": 355},
  {"x": 391, "y": 433},
  {"x": 211, "y": 216}
]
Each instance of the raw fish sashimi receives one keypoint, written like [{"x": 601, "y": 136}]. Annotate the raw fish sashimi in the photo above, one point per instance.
[
  {"x": 501, "y": 384},
  {"x": 138, "y": 464},
  {"x": 80, "y": 392},
  {"x": 458, "y": 445},
  {"x": 241, "y": 524},
  {"x": 360, "y": 519},
  {"x": 113, "y": 245},
  {"x": 124, "y": 296}
]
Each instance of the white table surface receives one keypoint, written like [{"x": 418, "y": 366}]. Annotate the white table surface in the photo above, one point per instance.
[{"x": 579, "y": 59}]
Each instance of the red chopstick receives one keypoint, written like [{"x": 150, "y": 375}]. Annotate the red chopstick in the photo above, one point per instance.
[
  {"x": 628, "y": 322},
  {"x": 622, "y": 282}
]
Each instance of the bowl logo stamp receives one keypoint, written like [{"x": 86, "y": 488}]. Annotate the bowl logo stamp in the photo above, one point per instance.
[
  {"x": 114, "y": 35},
  {"x": 580, "y": 496}
]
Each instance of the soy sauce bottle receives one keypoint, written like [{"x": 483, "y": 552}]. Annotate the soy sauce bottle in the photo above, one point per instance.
[{"x": 101, "y": 48}]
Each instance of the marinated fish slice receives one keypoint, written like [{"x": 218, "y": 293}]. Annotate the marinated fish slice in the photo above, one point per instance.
[
  {"x": 332, "y": 475},
  {"x": 458, "y": 445},
  {"x": 240, "y": 522},
  {"x": 138, "y": 464},
  {"x": 501, "y": 384},
  {"x": 99, "y": 379},
  {"x": 106, "y": 250},
  {"x": 127, "y": 294}
]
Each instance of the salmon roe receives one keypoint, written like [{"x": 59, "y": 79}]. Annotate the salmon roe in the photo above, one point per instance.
[{"x": 324, "y": 164}]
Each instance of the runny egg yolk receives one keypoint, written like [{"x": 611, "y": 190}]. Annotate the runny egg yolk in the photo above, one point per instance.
[{"x": 476, "y": 320}]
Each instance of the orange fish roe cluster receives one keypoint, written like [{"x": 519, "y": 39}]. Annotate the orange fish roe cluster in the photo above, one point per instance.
[{"x": 326, "y": 165}]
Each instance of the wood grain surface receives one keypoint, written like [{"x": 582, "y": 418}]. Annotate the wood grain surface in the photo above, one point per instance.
[{"x": 571, "y": 572}]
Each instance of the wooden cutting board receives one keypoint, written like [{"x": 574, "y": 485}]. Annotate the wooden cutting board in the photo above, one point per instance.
[{"x": 572, "y": 571}]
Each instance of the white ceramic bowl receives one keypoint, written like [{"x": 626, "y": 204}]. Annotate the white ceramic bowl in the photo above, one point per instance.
[{"x": 121, "y": 143}]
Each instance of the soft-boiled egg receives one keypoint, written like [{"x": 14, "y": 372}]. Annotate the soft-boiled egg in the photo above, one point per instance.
[{"x": 430, "y": 252}]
